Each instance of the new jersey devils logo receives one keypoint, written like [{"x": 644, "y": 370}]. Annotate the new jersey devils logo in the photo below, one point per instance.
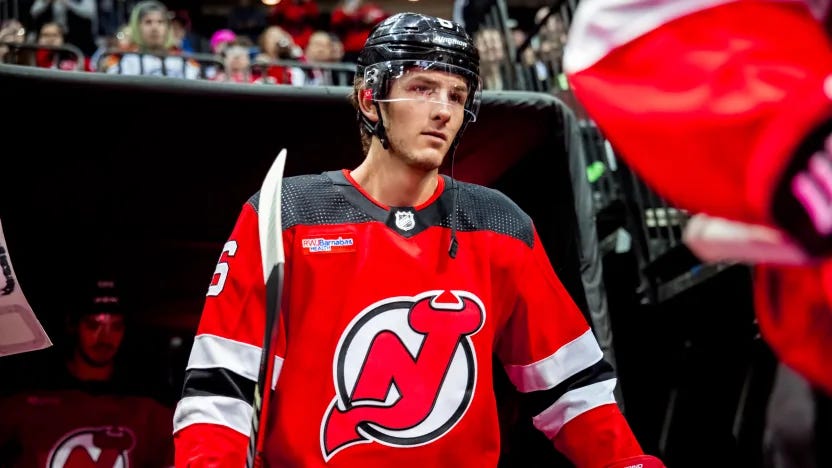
[
  {"x": 404, "y": 371},
  {"x": 93, "y": 447}
]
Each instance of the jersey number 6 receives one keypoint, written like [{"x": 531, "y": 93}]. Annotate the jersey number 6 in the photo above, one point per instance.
[{"x": 221, "y": 271}]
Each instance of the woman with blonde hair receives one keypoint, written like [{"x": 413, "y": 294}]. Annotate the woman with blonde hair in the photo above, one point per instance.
[{"x": 152, "y": 51}]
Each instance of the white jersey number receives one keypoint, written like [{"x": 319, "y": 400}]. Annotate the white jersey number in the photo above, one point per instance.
[{"x": 222, "y": 269}]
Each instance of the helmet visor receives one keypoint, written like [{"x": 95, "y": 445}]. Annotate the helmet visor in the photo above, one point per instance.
[{"x": 426, "y": 81}]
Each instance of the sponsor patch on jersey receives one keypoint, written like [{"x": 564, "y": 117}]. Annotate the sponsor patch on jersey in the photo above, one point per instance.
[{"x": 338, "y": 243}]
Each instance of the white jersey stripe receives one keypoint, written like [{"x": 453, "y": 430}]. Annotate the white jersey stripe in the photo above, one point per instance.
[
  {"x": 225, "y": 411},
  {"x": 601, "y": 26},
  {"x": 573, "y": 404},
  {"x": 211, "y": 351},
  {"x": 573, "y": 357},
  {"x": 278, "y": 365}
]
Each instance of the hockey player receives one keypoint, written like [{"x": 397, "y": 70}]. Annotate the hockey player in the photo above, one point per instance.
[
  {"x": 724, "y": 107},
  {"x": 400, "y": 285},
  {"x": 86, "y": 410}
]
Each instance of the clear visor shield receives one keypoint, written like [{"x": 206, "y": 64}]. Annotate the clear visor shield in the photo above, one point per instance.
[{"x": 433, "y": 83}]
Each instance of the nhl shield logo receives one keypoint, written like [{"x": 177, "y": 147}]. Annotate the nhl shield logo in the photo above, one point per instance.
[{"x": 405, "y": 220}]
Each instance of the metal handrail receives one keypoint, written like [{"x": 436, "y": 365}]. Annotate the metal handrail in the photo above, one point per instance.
[
  {"x": 16, "y": 47},
  {"x": 335, "y": 73},
  {"x": 202, "y": 59}
]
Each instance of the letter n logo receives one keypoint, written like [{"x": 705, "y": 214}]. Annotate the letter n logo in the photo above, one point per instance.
[{"x": 404, "y": 371}]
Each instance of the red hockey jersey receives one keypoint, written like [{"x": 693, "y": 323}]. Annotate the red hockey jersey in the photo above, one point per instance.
[
  {"x": 76, "y": 429},
  {"x": 384, "y": 355},
  {"x": 708, "y": 101}
]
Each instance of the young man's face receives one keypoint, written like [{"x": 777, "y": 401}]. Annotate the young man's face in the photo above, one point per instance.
[
  {"x": 422, "y": 126},
  {"x": 99, "y": 337}
]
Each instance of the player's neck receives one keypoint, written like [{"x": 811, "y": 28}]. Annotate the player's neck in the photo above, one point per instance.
[
  {"x": 82, "y": 370},
  {"x": 391, "y": 181}
]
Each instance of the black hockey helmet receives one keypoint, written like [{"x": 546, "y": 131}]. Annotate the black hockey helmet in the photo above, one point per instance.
[
  {"x": 100, "y": 295},
  {"x": 412, "y": 40},
  {"x": 414, "y": 36}
]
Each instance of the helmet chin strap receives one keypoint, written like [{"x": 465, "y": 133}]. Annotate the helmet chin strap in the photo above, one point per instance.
[
  {"x": 376, "y": 128},
  {"x": 379, "y": 130}
]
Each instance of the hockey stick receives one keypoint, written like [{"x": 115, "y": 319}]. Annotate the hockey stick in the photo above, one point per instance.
[{"x": 271, "y": 252}]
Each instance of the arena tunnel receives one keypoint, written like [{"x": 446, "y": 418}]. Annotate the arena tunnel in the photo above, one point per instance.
[{"x": 145, "y": 176}]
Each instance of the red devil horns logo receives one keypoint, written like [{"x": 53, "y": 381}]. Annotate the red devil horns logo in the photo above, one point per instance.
[{"x": 404, "y": 371}]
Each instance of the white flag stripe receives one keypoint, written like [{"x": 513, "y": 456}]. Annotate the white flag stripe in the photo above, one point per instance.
[
  {"x": 573, "y": 404},
  {"x": 567, "y": 361},
  {"x": 225, "y": 411},
  {"x": 278, "y": 365},
  {"x": 211, "y": 351},
  {"x": 600, "y": 26}
]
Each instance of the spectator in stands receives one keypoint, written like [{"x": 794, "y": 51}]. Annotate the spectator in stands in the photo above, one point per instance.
[
  {"x": 85, "y": 408},
  {"x": 79, "y": 19},
  {"x": 118, "y": 42},
  {"x": 237, "y": 62},
  {"x": 184, "y": 38},
  {"x": 352, "y": 21},
  {"x": 299, "y": 18},
  {"x": 519, "y": 36},
  {"x": 10, "y": 31},
  {"x": 319, "y": 48},
  {"x": 52, "y": 35},
  {"x": 490, "y": 44},
  {"x": 552, "y": 38},
  {"x": 220, "y": 39},
  {"x": 218, "y": 42},
  {"x": 276, "y": 45},
  {"x": 153, "y": 51}
]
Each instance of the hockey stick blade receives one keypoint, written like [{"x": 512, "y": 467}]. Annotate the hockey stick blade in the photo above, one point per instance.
[
  {"x": 271, "y": 253},
  {"x": 269, "y": 216}
]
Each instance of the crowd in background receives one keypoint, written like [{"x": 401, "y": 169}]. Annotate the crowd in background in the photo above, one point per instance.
[
  {"x": 74, "y": 35},
  {"x": 293, "y": 42}
]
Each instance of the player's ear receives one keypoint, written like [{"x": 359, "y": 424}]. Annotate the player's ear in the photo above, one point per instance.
[{"x": 366, "y": 105}]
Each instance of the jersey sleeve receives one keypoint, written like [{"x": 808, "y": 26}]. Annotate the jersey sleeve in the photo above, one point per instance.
[
  {"x": 212, "y": 419},
  {"x": 707, "y": 106},
  {"x": 551, "y": 355}
]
